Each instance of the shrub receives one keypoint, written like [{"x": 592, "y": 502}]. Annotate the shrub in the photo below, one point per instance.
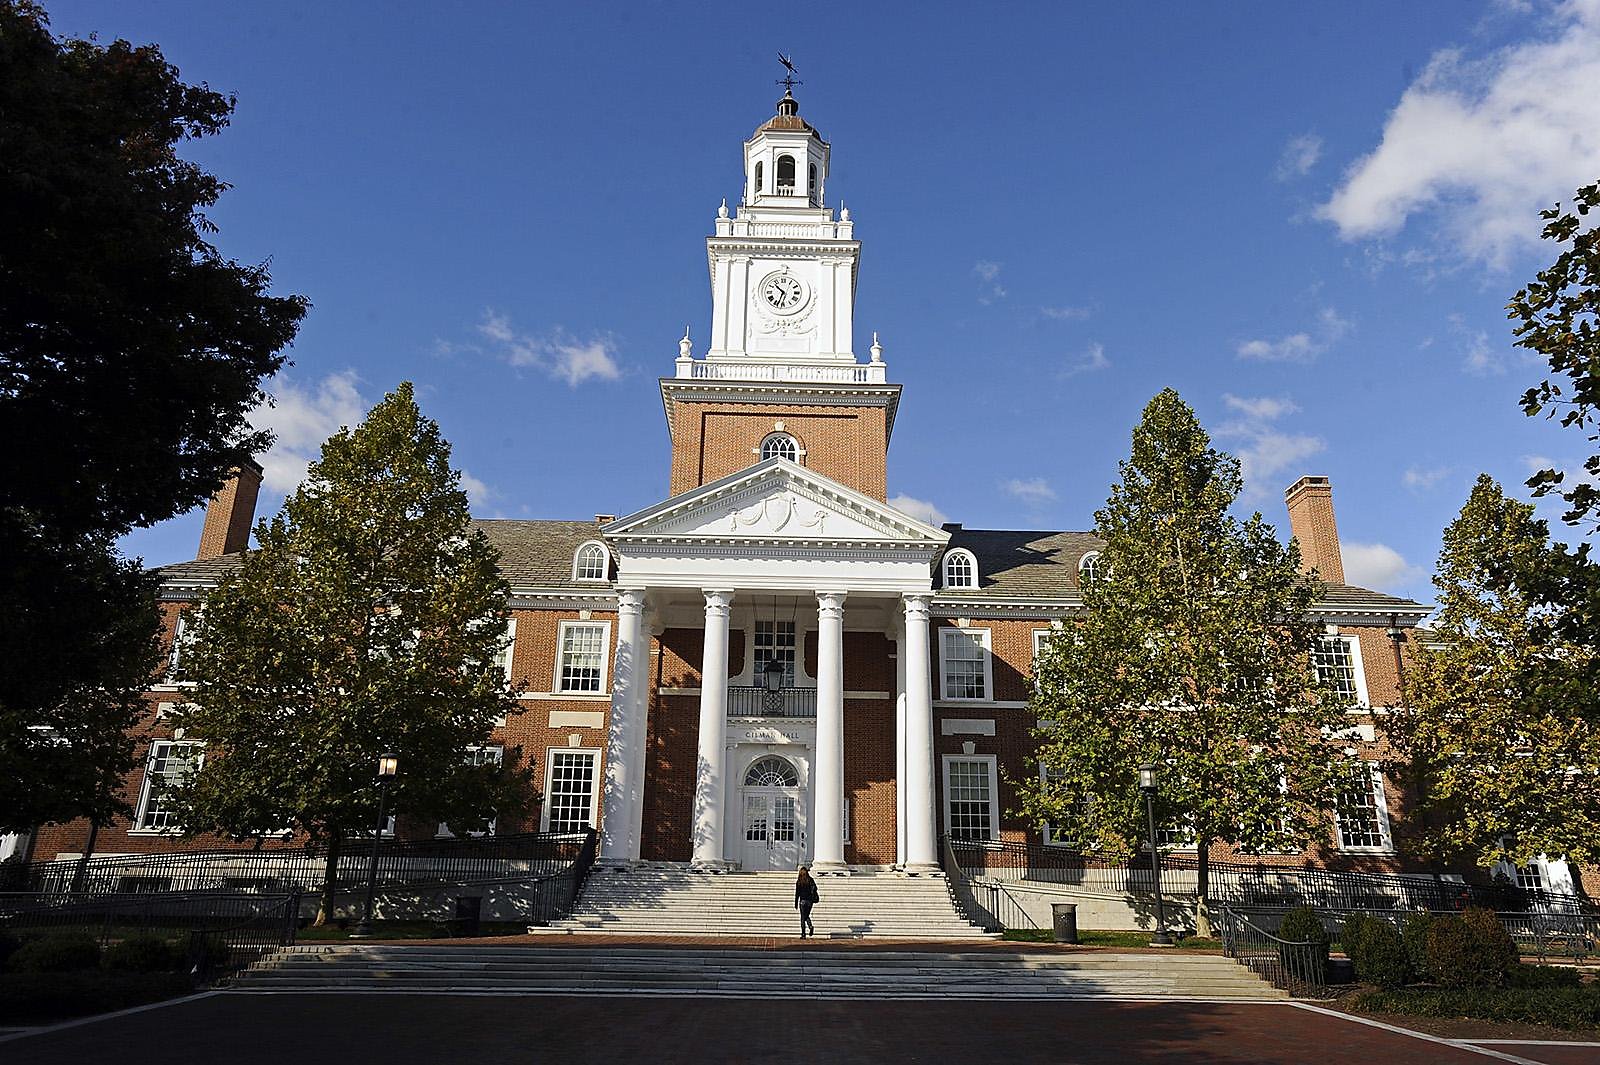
[
  {"x": 1353, "y": 937},
  {"x": 1415, "y": 935},
  {"x": 1383, "y": 955},
  {"x": 8, "y": 946},
  {"x": 63, "y": 952},
  {"x": 1543, "y": 976},
  {"x": 1302, "y": 925},
  {"x": 33, "y": 998},
  {"x": 1573, "y": 1008},
  {"x": 1472, "y": 950},
  {"x": 144, "y": 954}
]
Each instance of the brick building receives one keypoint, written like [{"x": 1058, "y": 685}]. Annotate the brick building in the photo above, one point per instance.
[{"x": 773, "y": 665}]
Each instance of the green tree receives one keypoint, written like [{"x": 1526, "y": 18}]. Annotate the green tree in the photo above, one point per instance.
[
  {"x": 1194, "y": 654},
  {"x": 371, "y": 619},
  {"x": 130, "y": 353},
  {"x": 1500, "y": 721}
]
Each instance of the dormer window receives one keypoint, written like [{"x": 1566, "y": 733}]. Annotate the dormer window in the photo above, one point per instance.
[
  {"x": 780, "y": 445},
  {"x": 960, "y": 569},
  {"x": 592, "y": 562},
  {"x": 786, "y": 173},
  {"x": 1090, "y": 568},
  {"x": 760, "y": 167}
]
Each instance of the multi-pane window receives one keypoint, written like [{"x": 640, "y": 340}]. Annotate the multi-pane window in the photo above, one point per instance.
[
  {"x": 1177, "y": 836},
  {"x": 1335, "y": 661},
  {"x": 1361, "y": 812},
  {"x": 169, "y": 764},
  {"x": 581, "y": 664},
  {"x": 182, "y": 640},
  {"x": 503, "y": 659},
  {"x": 591, "y": 563},
  {"x": 780, "y": 445},
  {"x": 1530, "y": 877},
  {"x": 775, "y": 640},
  {"x": 970, "y": 798},
  {"x": 1090, "y": 568},
  {"x": 570, "y": 790},
  {"x": 959, "y": 570},
  {"x": 489, "y": 755},
  {"x": 965, "y": 657}
]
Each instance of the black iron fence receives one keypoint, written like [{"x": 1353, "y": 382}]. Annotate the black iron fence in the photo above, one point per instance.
[
  {"x": 744, "y": 701},
  {"x": 1296, "y": 967},
  {"x": 401, "y": 863},
  {"x": 218, "y": 933},
  {"x": 1252, "y": 884}
]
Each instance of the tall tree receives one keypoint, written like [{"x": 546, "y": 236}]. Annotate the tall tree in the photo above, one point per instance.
[
  {"x": 1194, "y": 654},
  {"x": 371, "y": 619},
  {"x": 131, "y": 351},
  {"x": 1499, "y": 718}
]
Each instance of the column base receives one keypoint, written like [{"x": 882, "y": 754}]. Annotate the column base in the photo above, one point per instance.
[
  {"x": 829, "y": 869},
  {"x": 710, "y": 865},
  {"x": 922, "y": 869}
]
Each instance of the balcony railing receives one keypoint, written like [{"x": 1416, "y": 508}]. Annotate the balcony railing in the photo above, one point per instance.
[
  {"x": 759, "y": 702},
  {"x": 856, "y": 373}
]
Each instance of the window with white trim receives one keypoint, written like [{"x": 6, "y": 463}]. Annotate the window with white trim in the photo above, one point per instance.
[
  {"x": 169, "y": 764},
  {"x": 775, "y": 640},
  {"x": 1048, "y": 832},
  {"x": 781, "y": 446},
  {"x": 1338, "y": 663},
  {"x": 971, "y": 797},
  {"x": 1090, "y": 568},
  {"x": 592, "y": 562},
  {"x": 1361, "y": 812},
  {"x": 960, "y": 569},
  {"x": 182, "y": 640},
  {"x": 1176, "y": 837},
  {"x": 492, "y": 754},
  {"x": 569, "y": 789},
  {"x": 503, "y": 659},
  {"x": 581, "y": 657},
  {"x": 964, "y": 663}
]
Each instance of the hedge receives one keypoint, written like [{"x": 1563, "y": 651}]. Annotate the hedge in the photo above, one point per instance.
[
  {"x": 1572, "y": 1008},
  {"x": 60, "y": 952},
  {"x": 31, "y": 998}
]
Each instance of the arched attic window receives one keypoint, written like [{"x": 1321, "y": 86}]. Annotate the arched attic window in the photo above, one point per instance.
[
  {"x": 786, "y": 173},
  {"x": 960, "y": 569},
  {"x": 1090, "y": 568},
  {"x": 780, "y": 445},
  {"x": 592, "y": 562},
  {"x": 760, "y": 168}
]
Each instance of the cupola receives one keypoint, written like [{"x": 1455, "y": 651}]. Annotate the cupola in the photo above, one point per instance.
[{"x": 785, "y": 160}]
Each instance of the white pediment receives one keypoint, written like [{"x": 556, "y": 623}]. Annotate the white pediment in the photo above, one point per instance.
[{"x": 776, "y": 501}]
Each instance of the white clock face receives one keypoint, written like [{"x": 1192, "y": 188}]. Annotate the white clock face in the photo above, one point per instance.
[{"x": 782, "y": 292}]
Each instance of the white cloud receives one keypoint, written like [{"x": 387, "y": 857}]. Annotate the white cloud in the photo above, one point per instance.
[
  {"x": 920, "y": 509},
  {"x": 1481, "y": 360},
  {"x": 1066, "y": 314},
  {"x": 1480, "y": 145},
  {"x": 989, "y": 286},
  {"x": 479, "y": 494},
  {"x": 1034, "y": 491},
  {"x": 302, "y": 417},
  {"x": 557, "y": 353},
  {"x": 1375, "y": 565},
  {"x": 1304, "y": 346},
  {"x": 1421, "y": 480},
  {"x": 1299, "y": 156},
  {"x": 1092, "y": 359},
  {"x": 1265, "y": 450}
]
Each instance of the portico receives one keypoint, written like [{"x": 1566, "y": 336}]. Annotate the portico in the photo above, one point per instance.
[{"x": 795, "y": 561}]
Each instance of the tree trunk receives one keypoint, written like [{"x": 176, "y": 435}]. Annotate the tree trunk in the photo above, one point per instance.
[
  {"x": 1202, "y": 914},
  {"x": 330, "y": 879}
]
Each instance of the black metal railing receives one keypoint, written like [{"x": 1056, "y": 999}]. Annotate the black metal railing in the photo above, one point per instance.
[
  {"x": 744, "y": 701},
  {"x": 219, "y": 933},
  {"x": 1254, "y": 884},
  {"x": 401, "y": 863},
  {"x": 1297, "y": 967}
]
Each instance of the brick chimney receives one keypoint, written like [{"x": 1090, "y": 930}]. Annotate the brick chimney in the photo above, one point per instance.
[
  {"x": 1310, "y": 503},
  {"x": 231, "y": 513}
]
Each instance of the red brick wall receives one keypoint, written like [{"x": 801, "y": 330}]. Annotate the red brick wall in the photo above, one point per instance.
[
  {"x": 712, "y": 440},
  {"x": 869, "y": 780}
]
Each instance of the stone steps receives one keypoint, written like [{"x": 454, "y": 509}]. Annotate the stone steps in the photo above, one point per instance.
[{"x": 751, "y": 973}]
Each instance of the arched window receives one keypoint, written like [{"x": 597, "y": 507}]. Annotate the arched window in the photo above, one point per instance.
[
  {"x": 811, "y": 185},
  {"x": 786, "y": 173},
  {"x": 771, "y": 772},
  {"x": 592, "y": 562},
  {"x": 1090, "y": 568},
  {"x": 960, "y": 569},
  {"x": 760, "y": 166},
  {"x": 781, "y": 445}
]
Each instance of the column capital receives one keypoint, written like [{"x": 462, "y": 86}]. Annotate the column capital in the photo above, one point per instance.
[
  {"x": 630, "y": 600},
  {"x": 718, "y": 600},
  {"x": 917, "y": 604},
  {"x": 830, "y": 604}
]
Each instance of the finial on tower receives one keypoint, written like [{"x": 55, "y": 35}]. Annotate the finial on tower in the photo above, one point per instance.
[
  {"x": 877, "y": 348},
  {"x": 844, "y": 212},
  {"x": 685, "y": 346},
  {"x": 722, "y": 212}
]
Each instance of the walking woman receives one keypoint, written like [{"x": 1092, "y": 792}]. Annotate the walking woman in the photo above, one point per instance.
[{"x": 805, "y": 897}]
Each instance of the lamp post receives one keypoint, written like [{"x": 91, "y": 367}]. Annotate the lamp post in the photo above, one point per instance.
[
  {"x": 388, "y": 766},
  {"x": 772, "y": 683},
  {"x": 1147, "y": 785}
]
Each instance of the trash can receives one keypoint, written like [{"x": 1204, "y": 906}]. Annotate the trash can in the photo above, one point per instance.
[
  {"x": 469, "y": 914},
  {"x": 1064, "y": 919}
]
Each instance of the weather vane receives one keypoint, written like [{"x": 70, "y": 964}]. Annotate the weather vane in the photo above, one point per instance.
[{"x": 791, "y": 79}]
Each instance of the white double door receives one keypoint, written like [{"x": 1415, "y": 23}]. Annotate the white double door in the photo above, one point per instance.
[{"x": 774, "y": 828}]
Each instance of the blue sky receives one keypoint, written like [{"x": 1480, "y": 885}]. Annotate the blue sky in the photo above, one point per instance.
[{"x": 1306, "y": 219}]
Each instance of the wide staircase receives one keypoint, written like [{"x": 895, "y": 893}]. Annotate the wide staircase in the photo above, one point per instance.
[
  {"x": 840, "y": 972},
  {"x": 660, "y": 900}
]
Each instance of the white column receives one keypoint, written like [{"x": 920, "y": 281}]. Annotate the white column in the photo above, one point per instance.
[
  {"x": 921, "y": 856},
  {"x": 640, "y": 709},
  {"x": 827, "y": 777},
  {"x": 709, "y": 785},
  {"x": 899, "y": 636},
  {"x": 623, "y": 784}
]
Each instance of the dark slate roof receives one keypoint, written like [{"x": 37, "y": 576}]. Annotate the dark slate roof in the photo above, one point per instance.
[
  {"x": 1033, "y": 564},
  {"x": 532, "y": 553}
]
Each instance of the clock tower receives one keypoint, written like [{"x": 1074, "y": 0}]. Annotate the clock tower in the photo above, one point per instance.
[{"x": 780, "y": 375}]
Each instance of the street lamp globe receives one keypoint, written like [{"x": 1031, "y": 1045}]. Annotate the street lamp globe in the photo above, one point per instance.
[
  {"x": 1147, "y": 777},
  {"x": 388, "y": 766},
  {"x": 772, "y": 675}
]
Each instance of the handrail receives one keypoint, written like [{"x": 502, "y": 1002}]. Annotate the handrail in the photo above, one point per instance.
[{"x": 1297, "y": 967}]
